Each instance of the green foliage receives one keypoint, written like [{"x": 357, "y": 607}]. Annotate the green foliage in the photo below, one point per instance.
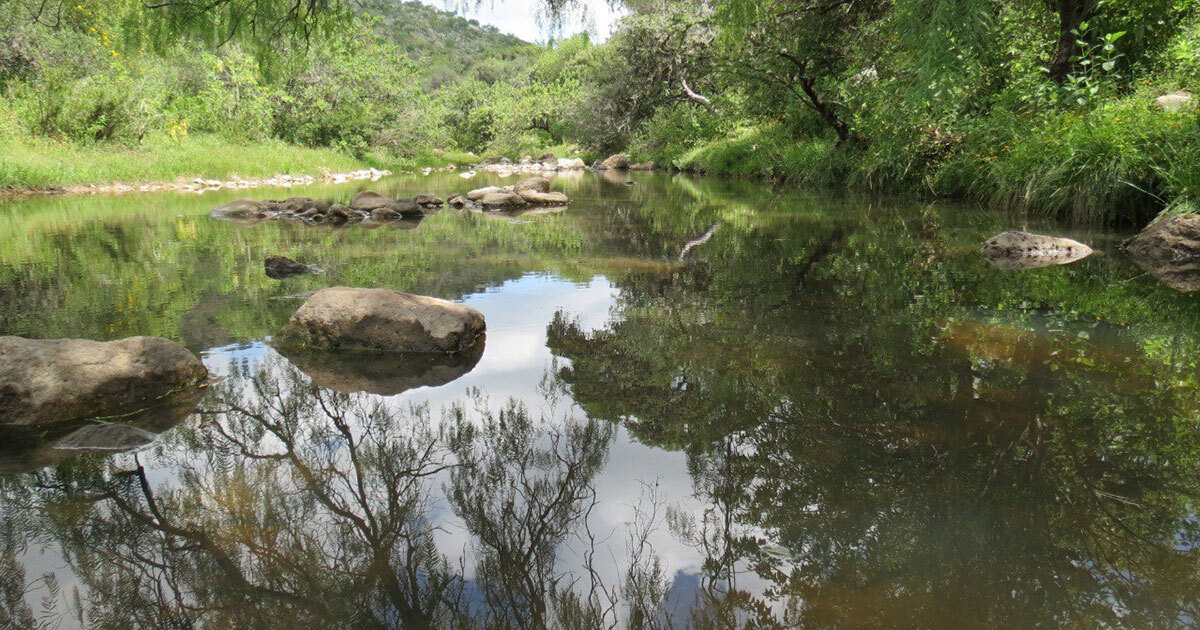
[
  {"x": 945, "y": 98},
  {"x": 106, "y": 75},
  {"x": 41, "y": 163}
]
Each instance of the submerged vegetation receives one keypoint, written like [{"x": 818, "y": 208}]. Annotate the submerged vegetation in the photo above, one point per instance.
[{"x": 1077, "y": 108}]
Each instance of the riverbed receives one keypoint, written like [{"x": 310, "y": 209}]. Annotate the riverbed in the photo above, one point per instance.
[{"x": 701, "y": 403}]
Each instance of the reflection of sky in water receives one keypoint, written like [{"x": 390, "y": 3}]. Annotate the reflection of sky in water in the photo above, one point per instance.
[{"x": 514, "y": 364}]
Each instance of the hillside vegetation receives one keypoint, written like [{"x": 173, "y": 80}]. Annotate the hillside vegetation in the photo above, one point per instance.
[{"x": 1075, "y": 108}]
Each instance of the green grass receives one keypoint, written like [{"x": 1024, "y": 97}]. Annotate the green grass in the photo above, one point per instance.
[
  {"x": 41, "y": 163},
  {"x": 766, "y": 152}
]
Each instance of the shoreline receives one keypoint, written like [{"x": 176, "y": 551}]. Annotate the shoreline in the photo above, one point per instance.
[{"x": 198, "y": 185}]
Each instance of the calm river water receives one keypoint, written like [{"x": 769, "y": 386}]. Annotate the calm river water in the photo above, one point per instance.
[{"x": 831, "y": 413}]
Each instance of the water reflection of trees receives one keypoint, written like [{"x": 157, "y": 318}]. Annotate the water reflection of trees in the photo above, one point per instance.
[
  {"x": 289, "y": 502},
  {"x": 883, "y": 453}
]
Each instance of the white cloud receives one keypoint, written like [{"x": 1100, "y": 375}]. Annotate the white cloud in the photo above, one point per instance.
[{"x": 526, "y": 18}]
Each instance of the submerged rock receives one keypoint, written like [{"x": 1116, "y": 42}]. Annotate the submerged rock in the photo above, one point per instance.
[
  {"x": 380, "y": 319},
  {"x": 279, "y": 267},
  {"x": 241, "y": 209},
  {"x": 28, "y": 447},
  {"x": 383, "y": 373},
  {"x": 1017, "y": 250},
  {"x": 60, "y": 380}
]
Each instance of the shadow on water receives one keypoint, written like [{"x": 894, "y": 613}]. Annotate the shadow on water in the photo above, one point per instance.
[{"x": 704, "y": 404}]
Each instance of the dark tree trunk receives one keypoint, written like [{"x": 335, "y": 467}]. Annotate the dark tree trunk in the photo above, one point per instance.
[
  {"x": 822, "y": 107},
  {"x": 1071, "y": 13}
]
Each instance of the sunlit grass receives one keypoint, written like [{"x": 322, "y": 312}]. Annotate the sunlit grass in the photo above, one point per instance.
[{"x": 42, "y": 163}]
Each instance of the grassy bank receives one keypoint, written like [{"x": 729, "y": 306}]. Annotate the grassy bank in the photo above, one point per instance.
[
  {"x": 1122, "y": 162},
  {"x": 40, "y": 163},
  {"x": 35, "y": 164}
]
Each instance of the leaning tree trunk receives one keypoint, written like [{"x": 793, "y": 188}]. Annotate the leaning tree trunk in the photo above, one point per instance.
[{"x": 1071, "y": 14}]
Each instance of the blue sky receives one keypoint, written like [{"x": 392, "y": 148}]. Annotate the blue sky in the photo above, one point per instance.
[{"x": 520, "y": 17}]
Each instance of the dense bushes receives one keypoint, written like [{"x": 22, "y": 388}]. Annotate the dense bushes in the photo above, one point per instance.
[{"x": 979, "y": 99}]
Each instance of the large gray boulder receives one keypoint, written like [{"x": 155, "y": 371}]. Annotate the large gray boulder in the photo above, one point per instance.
[
  {"x": 381, "y": 319},
  {"x": 616, "y": 162},
  {"x": 62, "y": 380},
  {"x": 1169, "y": 250},
  {"x": 1170, "y": 239}
]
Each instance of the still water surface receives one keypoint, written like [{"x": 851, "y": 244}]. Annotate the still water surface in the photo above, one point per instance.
[{"x": 831, "y": 413}]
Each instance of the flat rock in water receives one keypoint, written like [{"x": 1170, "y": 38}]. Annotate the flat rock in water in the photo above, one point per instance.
[
  {"x": 553, "y": 198},
  {"x": 480, "y": 193},
  {"x": 369, "y": 200},
  {"x": 503, "y": 200},
  {"x": 60, "y": 380},
  {"x": 1017, "y": 250},
  {"x": 381, "y": 319}
]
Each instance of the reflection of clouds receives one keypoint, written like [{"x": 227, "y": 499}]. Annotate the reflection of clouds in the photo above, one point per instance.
[{"x": 515, "y": 365}]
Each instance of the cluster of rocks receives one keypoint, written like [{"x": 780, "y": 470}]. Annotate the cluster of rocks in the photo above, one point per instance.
[
  {"x": 546, "y": 163},
  {"x": 367, "y": 207},
  {"x": 1168, "y": 249},
  {"x": 534, "y": 191},
  {"x": 552, "y": 163},
  {"x": 53, "y": 391}
]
